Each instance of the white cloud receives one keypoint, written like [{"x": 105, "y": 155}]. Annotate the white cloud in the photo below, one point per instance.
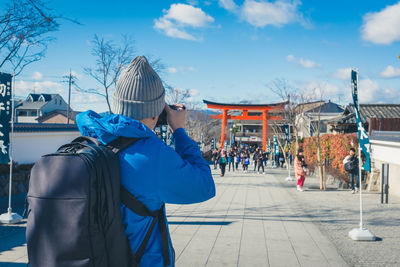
[
  {"x": 390, "y": 72},
  {"x": 291, "y": 58},
  {"x": 229, "y": 5},
  {"x": 342, "y": 74},
  {"x": 193, "y": 2},
  {"x": 23, "y": 88},
  {"x": 368, "y": 91},
  {"x": 194, "y": 92},
  {"x": 179, "y": 17},
  {"x": 261, "y": 13},
  {"x": 172, "y": 70},
  {"x": 74, "y": 73},
  {"x": 327, "y": 91},
  {"x": 37, "y": 75},
  {"x": 305, "y": 63},
  {"x": 382, "y": 27},
  {"x": 191, "y": 68}
]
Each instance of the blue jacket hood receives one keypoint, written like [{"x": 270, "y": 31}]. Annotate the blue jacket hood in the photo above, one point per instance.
[{"x": 107, "y": 128}]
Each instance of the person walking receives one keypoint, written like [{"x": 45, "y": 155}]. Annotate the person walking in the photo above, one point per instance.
[
  {"x": 215, "y": 157},
  {"x": 265, "y": 158},
  {"x": 231, "y": 160},
  {"x": 246, "y": 164},
  {"x": 260, "y": 162},
  {"x": 222, "y": 161},
  {"x": 255, "y": 158},
  {"x": 300, "y": 169},
  {"x": 237, "y": 160},
  {"x": 351, "y": 166},
  {"x": 149, "y": 169}
]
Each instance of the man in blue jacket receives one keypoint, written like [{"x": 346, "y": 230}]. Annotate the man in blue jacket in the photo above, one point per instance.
[{"x": 150, "y": 170}]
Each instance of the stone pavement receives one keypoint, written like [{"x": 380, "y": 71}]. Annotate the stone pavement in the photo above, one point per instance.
[
  {"x": 252, "y": 221},
  {"x": 261, "y": 220}
]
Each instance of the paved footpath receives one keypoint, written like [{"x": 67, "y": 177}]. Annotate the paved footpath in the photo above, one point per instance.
[
  {"x": 250, "y": 222},
  {"x": 261, "y": 220}
]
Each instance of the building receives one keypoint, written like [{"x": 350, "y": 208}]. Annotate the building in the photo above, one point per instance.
[
  {"x": 385, "y": 149},
  {"x": 38, "y": 105},
  {"x": 310, "y": 116},
  {"x": 382, "y": 116}
]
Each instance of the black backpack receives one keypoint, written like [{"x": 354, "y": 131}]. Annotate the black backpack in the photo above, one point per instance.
[
  {"x": 74, "y": 217},
  {"x": 350, "y": 165}
]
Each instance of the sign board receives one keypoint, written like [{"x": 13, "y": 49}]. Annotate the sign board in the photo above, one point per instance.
[
  {"x": 253, "y": 138},
  {"x": 5, "y": 116}
]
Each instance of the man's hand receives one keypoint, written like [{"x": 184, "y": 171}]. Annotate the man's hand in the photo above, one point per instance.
[{"x": 176, "y": 118}]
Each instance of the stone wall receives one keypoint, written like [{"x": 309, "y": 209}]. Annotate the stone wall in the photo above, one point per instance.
[{"x": 20, "y": 182}]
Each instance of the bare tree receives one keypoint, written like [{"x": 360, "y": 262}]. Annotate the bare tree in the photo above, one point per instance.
[
  {"x": 181, "y": 96},
  {"x": 315, "y": 130},
  {"x": 111, "y": 59},
  {"x": 25, "y": 27},
  {"x": 296, "y": 112},
  {"x": 285, "y": 91}
]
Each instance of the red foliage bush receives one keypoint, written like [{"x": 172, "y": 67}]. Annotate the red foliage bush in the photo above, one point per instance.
[{"x": 334, "y": 148}]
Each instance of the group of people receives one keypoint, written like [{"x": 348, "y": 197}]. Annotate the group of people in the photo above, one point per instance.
[
  {"x": 243, "y": 156},
  {"x": 350, "y": 162}
]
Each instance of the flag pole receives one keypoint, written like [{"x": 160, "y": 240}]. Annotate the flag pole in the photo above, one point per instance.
[
  {"x": 11, "y": 217},
  {"x": 359, "y": 169},
  {"x": 289, "y": 178},
  {"x": 361, "y": 233}
]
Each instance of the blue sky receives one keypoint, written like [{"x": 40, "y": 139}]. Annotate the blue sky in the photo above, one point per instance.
[{"x": 226, "y": 50}]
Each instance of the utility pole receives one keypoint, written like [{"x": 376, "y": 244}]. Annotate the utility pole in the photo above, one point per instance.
[{"x": 69, "y": 95}]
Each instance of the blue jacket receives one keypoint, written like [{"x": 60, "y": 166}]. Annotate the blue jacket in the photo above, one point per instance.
[{"x": 153, "y": 172}]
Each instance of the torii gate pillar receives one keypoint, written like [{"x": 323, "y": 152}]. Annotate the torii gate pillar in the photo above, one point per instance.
[
  {"x": 265, "y": 128},
  {"x": 224, "y": 124}
]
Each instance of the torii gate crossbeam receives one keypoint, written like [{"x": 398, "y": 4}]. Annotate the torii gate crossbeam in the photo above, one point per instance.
[{"x": 264, "y": 108}]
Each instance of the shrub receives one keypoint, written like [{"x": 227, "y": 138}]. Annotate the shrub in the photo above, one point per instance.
[{"x": 334, "y": 148}]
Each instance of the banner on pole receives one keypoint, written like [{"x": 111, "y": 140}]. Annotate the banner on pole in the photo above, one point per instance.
[
  {"x": 5, "y": 116},
  {"x": 287, "y": 134},
  {"x": 363, "y": 138},
  {"x": 276, "y": 146}
]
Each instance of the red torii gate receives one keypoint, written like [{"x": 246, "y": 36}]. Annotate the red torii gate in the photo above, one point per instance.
[{"x": 264, "y": 108}]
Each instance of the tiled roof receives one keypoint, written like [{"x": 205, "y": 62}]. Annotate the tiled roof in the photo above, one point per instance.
[
  {"x": 72, "y": 114},
  {"x": 328, "y": 107},
  {"x": 391, "y": 136},
  {"x": 47, "y": 97},
  {"x": 31, "y": 105},
  {"x": 368, "y": 111},
  {"x": 44, "y": 127}
]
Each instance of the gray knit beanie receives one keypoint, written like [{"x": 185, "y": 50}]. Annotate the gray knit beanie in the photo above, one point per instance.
[{"x": 139, "y": 93}]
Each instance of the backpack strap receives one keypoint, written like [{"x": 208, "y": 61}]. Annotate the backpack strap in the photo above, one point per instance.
[
  {"x": 139, "y": 208},
  {"x": 121, "y": 143}
]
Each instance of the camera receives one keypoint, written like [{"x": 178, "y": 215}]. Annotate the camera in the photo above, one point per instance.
[{"x": 162, "y": 119}]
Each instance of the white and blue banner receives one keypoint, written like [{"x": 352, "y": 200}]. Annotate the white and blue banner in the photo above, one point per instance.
[
  {"x": 276, "y": 146},
  {"x": 5, "y": 116},
  {"x": 363, "y": 138},
  {"x": 287, "y": 133}
]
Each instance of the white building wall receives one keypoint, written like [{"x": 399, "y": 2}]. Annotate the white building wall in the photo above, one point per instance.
[
  {"x": 30, "y": 119},
  {"x": 28, "y": 147},
  {"x": 388, "y": 153}
]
